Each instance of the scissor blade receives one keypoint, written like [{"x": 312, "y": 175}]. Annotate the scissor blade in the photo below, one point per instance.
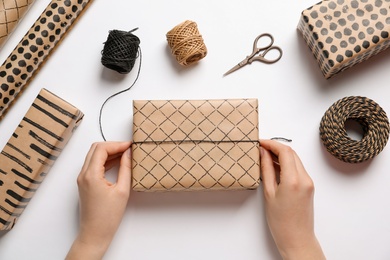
[{"x": 232, "y": 69}]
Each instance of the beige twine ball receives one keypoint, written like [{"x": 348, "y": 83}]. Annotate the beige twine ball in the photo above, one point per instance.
[{"x": 186, "y": 43}]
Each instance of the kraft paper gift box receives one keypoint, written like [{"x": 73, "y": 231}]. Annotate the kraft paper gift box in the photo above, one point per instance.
[
  {"x": 192, "y": 145},
  {"x": 31, "y": 151},
  {"x": 343, "y": 33}
]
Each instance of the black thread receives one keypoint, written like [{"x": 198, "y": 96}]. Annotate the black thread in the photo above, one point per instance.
[
  {"x": 130, "y": 63},
  {"x": 281, "y": 139},
  {"x": 120, "y": 51},
  {"x": 196, "y": 141},
  {"x": 210, "y": 141}
]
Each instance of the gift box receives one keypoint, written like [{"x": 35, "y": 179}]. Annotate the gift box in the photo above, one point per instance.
[
  {"x": 31, "y": 151},
  {"x": 192, "y": 145},
  {"x": 343, "y": 33}
]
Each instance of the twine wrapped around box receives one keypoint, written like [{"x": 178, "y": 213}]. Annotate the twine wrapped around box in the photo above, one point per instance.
[{"x": 192, "y": 145}]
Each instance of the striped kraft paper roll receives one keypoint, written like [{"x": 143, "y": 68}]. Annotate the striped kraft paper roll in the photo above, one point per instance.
[{"x": 31, "y": 151}]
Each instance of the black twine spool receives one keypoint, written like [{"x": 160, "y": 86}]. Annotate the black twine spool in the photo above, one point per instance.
[
  {"x": 120, "y": 51},
  {"x": 369, "y": 115},
  {"x": 116, "y": 45}
]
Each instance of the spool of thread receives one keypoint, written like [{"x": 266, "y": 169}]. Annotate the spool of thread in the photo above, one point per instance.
[
  {"x": 369, "y": 115},
  {"x": 120, "y": 51},
  {"x": 35, "y": 48},
  {"x": 186, "y": 43}
]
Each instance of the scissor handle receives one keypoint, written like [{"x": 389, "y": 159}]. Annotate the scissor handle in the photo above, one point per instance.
[
  {"x": 256, "y": 48},
  {"x": 261, "y": 57}
]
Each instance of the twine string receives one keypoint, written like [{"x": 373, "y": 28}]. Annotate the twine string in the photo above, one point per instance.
[
  {"x": 120, "y": 51},
  {"x": 120, "y": 62},
  {"x": 208, "y": 141},
  {"x": 193, "y": 141},
  {"x": 369, "y": 115},
  {"x": 186, "y": 43}
]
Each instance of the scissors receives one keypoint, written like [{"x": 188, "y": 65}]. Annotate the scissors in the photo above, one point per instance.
[{"x": 262, "y": 51}]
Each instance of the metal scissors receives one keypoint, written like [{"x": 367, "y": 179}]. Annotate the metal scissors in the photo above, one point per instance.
[{"x": 262, "y": 51}]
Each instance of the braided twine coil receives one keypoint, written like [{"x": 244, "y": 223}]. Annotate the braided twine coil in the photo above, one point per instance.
[
  {"x": 369, "y": 115},
  {"x": 186, "y": 43}
]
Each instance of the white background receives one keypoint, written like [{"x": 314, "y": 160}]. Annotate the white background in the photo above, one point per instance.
[{"x": 352, "y": 202}]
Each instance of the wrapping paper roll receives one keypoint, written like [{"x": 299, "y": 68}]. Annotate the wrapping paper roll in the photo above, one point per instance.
[
  {"x": 11, "y": 12},
  {"x": 36, "y": 46},
  {"x": 32, "y": 150}
]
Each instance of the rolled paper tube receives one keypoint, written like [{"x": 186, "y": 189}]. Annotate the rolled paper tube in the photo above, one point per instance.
[
  {"x": 35, "y": 47},
  {"x": 11, "y": 12}
]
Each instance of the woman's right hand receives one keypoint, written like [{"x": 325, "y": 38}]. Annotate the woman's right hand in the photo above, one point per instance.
[
  {"x": 288, "y": 195},
  {"x": 102, "y": 203}
]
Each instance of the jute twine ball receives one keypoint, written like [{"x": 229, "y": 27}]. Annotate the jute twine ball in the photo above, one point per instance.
[
  {"x": 369, "y": 115},
  {"x": 186, "y": 43}
]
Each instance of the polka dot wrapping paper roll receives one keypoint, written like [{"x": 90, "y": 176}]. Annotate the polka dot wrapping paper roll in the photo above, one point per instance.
[
  {"x": 35, "y": 47},
  {"x": 343, "y": 33}
]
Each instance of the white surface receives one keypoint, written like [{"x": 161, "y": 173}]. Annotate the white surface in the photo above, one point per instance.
[{"x": 352, "y": 208}]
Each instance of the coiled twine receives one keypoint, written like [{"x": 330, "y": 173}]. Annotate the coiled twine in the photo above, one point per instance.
[
  {"x": 369, "y": 115},
  {"x": 120, "y": 51},
  {"x": 186, "y": 43}
]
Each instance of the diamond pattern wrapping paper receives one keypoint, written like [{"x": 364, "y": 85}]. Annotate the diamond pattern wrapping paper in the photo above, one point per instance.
[
  {"x": 11, "y": 12},
  {"x": 192, "y": 145}
]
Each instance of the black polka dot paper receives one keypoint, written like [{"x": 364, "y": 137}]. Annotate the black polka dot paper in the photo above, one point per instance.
[
  {"x": 342, "y": 33},
  {"x": 35, "y": 47}
]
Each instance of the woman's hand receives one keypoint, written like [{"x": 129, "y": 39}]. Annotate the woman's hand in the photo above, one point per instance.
[
  {"x": 288, "y": 194},
  {"x": 102, "y": 203}
]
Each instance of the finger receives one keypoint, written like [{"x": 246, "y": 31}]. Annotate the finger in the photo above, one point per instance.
[
  {"x": 114, "y": 156},
  {"x": 286, "y": 156},
  {"x": 301, "y": 169},
  {"x": 124, "y": 174},
  {"x": 88, "y": 158},
  {"x": 299, "y": 163},
  {"x": 104, "y": 150},
  {"x": 111, "y": 163},
  {"x": 90, "y": 153},
  {"x": 268, "y": 172}
]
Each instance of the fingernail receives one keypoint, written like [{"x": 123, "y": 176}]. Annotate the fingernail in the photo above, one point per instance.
[
  {"x": 128, "y": 153},
  {"x": 261, "y": 151}
]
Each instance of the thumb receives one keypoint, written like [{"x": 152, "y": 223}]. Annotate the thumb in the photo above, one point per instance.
[
  {"x": 124, "y": 173},
  {"x": 268, "y": 172}
]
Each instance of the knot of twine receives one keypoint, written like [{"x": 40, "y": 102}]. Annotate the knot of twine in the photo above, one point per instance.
[
  {"x": 120, "y": 51},
  {"x": 369, "y": 115},
  {"x": 186, "y": 43}
]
